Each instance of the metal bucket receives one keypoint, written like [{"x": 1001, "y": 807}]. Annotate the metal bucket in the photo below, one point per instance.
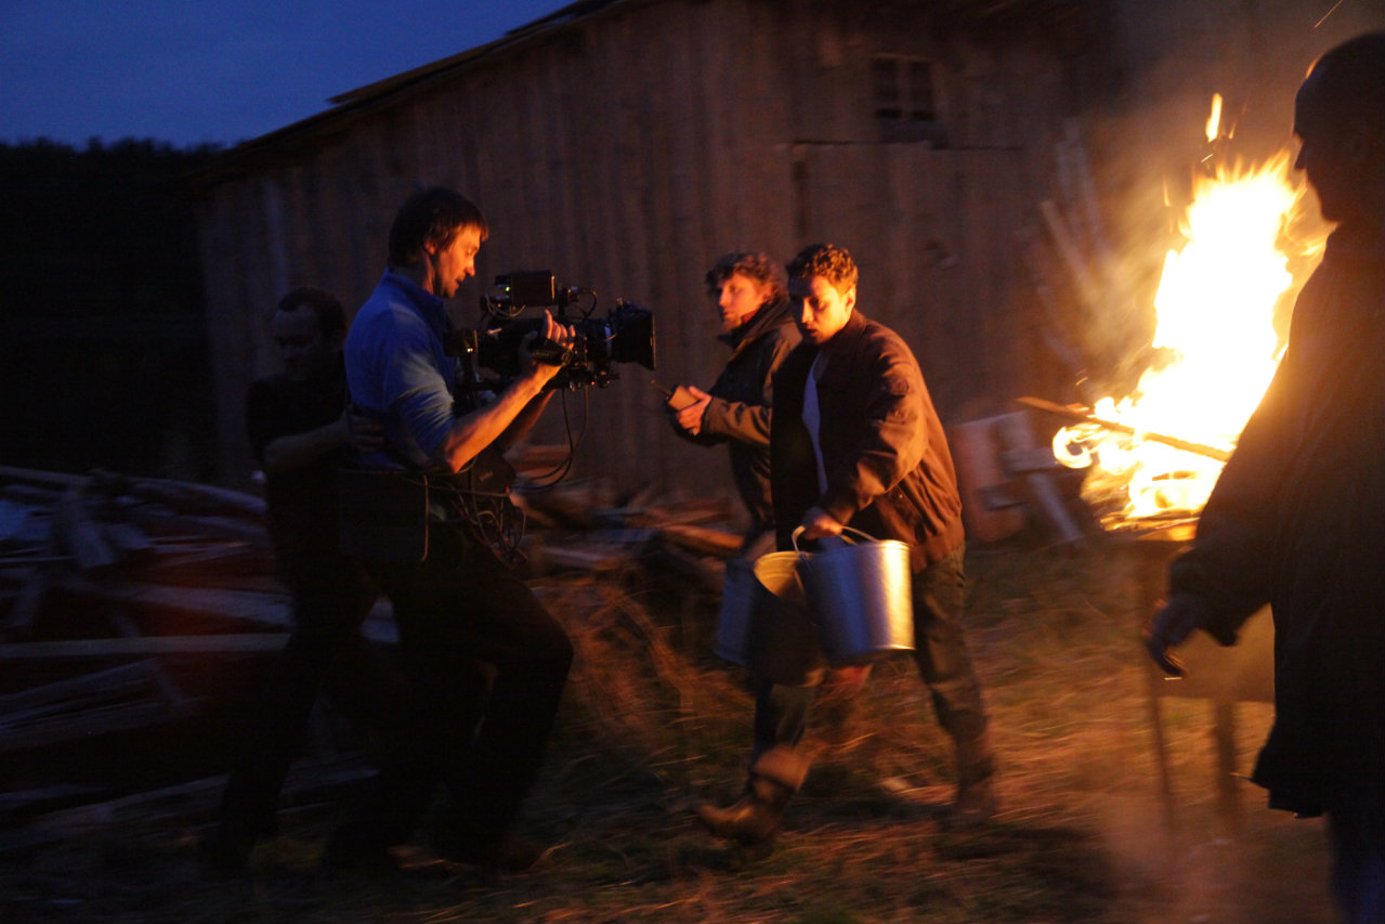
[
  {"x": 860, "y": 596},
  {"x": 783, "y": 642}
]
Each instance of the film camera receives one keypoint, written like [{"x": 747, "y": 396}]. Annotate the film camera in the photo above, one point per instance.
[{"x": 624, "y": 335}]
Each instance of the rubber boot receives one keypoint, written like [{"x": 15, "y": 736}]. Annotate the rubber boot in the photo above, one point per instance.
[
  {"x": 753, "y": 819},
  {"x": 976, "y": 801}
]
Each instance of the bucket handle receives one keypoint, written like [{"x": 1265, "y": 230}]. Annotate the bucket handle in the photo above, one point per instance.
[{"x": 845, "y": 529}]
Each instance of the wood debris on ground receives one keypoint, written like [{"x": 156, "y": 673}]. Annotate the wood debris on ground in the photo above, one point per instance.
[{"x": 138, "y": 613}]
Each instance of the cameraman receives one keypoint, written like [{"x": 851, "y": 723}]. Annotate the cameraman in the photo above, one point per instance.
[
  {"x": 463, "y": 614},
  {"x": 748, "y": 290}
]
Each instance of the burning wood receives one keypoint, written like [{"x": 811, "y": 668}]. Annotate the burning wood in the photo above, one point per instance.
[
  {"x": 1226, "y": 285},
  {"x": 1085, "y": 416}
]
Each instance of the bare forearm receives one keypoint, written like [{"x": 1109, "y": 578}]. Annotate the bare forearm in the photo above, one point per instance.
[
  {"x": 524, "y": 421},
  {"x": 473, "y": 432}
]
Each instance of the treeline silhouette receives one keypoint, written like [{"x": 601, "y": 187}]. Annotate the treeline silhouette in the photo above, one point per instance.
[{"x": 103, "y": 349}]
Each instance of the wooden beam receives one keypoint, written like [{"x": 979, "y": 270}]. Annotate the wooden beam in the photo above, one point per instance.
[
  {"x": 1081, "y": 416},
  {"x": 227, "y": 643},
  {"x": 275, "y": 609},
  {"x": 88, "y": 723},
  {"x": 194, "y": 801},
  {"x": 104, "y": 683},
  {"x": 79, "y": 534}
]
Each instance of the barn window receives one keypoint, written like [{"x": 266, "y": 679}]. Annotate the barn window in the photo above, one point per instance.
[
  {"x": 905, "y": 98},
  {"x": 887, "y": 88}
]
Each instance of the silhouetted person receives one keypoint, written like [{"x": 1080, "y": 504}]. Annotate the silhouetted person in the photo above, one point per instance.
[
  {"x": 1297, "y": 519},
  {"x": 300, "y": 430}
]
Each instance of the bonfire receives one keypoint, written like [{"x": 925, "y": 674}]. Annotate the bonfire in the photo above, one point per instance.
[{"x": 1221, "y": 308}]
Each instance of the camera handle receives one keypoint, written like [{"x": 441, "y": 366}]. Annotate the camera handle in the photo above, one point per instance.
[{"x": 549, "y": 352}]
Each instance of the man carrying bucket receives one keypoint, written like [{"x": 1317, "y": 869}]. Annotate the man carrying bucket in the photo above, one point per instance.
[{"x": 855, "y": 441}]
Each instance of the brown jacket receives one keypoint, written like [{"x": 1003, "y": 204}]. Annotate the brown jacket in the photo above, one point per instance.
[{"x": 889, "y": 470}]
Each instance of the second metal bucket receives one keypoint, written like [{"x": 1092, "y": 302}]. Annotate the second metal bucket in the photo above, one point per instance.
[
  {"x": 783, "y": 644},
  {"x": 860, "y": 595}
]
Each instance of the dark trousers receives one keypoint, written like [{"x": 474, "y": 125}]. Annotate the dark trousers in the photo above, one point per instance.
[
  {"x": 944, "y": 664},
  {"x": 325, "y": 648},
  {"x": 488, "y": 664},
  {"x": 1356, "y": 829}
]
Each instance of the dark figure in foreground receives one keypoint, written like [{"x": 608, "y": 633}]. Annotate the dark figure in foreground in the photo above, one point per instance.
[
  {"x": 1297, "y": 519},
  {"x": 748, "y": 290},
  {"x": 487, "y": 661},
  {"x": 300, "y": 431},
  {"x": 855, "y": 441}
]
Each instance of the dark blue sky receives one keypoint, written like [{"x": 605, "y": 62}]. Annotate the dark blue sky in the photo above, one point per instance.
[{"x": 193, "y": 71}]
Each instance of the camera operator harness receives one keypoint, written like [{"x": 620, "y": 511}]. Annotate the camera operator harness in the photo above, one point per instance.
[{"x": 387, "y": 513}]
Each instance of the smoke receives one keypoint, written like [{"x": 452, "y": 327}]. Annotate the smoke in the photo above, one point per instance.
[
  {"x": 1145, "y": 140},
  {"x": 1266, "y": 868}
]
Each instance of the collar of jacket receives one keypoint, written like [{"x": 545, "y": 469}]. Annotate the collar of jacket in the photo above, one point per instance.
[
  {"x": 846, "y": 338},
  {"x": 795, "y": 372},
  {"x": 768, "y": 317}
]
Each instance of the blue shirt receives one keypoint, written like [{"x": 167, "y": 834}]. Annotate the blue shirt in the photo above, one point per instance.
[{"x": 397, "y": 369}]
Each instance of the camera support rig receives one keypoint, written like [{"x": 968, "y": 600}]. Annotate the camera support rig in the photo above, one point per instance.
[{"x": 625, "y": 334}]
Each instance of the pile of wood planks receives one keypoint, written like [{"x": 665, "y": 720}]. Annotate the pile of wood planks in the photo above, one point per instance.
[
  {"x": 102, "y": 578},
  {"x": 133, "y": 605}
]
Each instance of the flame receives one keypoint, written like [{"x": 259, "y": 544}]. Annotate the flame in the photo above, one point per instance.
[
  {"x": 1215, "y": 343},
  {"x": 1214, "y": 120}
]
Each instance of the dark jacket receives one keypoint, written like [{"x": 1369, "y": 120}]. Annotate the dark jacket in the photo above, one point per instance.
[
  {"x": 739, "y": 412},
  {"x": 889, "y": 470},
  {"x": 1297, "y": 520},
  {"x": 302, "y": 506}
]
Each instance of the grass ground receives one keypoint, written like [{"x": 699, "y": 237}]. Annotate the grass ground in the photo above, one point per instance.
[{"x": 652, "y": 723}]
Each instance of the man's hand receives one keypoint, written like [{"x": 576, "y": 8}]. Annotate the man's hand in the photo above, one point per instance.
[
  {"x": 819, "y": 524},
  {"x": 689, "y": 416},
  {"x": 505, "y": 421},
  {"x": 542, "y": 373},
  {"x": 1171, "y": 626},
  {"x": 364, "y": 433}
]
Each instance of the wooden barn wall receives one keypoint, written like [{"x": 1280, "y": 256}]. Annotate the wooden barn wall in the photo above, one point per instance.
[{"x": 627, "y": 152}]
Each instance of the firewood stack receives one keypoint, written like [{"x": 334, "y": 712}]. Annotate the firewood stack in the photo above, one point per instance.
[
  {"x": 130, "y": 607},
  {"x": 102, "y": 577}
]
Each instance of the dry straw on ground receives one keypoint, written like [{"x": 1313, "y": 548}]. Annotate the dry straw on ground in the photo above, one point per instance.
[{"x": 653, "y": 722}]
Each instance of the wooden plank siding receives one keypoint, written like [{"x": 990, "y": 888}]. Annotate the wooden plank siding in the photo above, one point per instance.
[{"x": 627, "y": 149}]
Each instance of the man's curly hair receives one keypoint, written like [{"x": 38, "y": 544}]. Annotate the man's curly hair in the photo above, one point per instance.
[
  {"x": 757, "y": 266},
  {"x": 829, "y": 261}
]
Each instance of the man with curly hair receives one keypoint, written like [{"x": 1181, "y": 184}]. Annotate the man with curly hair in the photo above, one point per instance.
[
  {"x": 855, "y": 441},
  {"x": 748, "y": 290}
]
